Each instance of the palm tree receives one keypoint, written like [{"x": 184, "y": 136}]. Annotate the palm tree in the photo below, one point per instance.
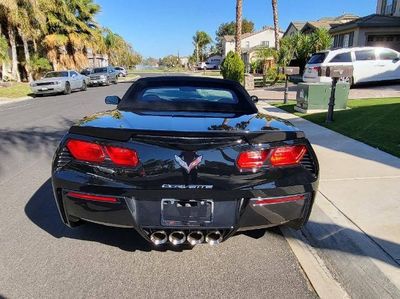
[
  {"x": 276, "y": 25},
  {"x": 238, "y": 33},
  {"x": 200, "y": 40},
  {"x": 266, "y": 55}
]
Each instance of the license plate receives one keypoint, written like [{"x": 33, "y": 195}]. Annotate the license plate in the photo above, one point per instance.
[
  {"x": 94, "y": 81},
  {"x": 176, "y": 212},
  {"x": 43, "y": 89}
]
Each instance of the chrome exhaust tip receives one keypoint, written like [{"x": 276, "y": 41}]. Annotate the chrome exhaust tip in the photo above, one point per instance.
[
  {"x": 177, "y": 237},
  {"x": 195, "y": 238},
  {"x": 214, "y": 237},
  {"x": 159, "y": 237}
]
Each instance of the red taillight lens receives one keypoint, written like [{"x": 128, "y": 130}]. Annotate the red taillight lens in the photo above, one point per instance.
[
  {"x": 287, "y": 155},
  {"x": 123, "y": 156},
  {"x": 251, "y": 159},
  {"x": 86, "y": 151},
  {"x": 276, "y": 200},
  {"x": 92, "y": 197}
]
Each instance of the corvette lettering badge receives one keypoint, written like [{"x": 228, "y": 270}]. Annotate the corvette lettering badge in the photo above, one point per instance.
[{"x": 192, "y": 164}]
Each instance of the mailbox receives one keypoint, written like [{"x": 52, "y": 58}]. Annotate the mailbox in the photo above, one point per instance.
[
  {"x": 289, "y": 70},
  {"x": 339, "y": 71}
]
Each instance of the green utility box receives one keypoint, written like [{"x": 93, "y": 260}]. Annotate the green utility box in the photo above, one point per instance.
[{"x": 314, "y": 97}]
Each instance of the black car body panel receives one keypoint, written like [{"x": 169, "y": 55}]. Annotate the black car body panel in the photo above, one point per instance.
[{"x": 214, "y": 195}]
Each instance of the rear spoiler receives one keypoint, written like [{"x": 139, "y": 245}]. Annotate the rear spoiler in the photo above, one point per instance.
[{"x": 127, "y": 134}]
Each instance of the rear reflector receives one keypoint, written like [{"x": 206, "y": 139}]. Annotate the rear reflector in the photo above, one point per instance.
[
  {"x": 123, "y": 156},
  {"x": 287, "y": 155},
  {"x": 251, "y": 159},
  {"x": 92, "y": 197},
  {"x": 86, "y": 151},
  {"x": 277, "y": 200}
]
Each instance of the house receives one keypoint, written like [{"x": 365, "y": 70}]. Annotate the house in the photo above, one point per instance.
[
  {"x": 379, "y": 29},
  {"x": 293, "y": 28},
  {"x": 262, "y": 38},
  {"x": 310, "y": 26}
]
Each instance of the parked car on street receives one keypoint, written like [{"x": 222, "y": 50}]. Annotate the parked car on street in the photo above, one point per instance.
[
  {"x": 122, "y": 72},
  {"x": 59, "y": 82},
  {"x": 103, "y": 76},
  {"x": 371, "y": 64},
  {"x": 87, "y": 71},
  {"x": 185, "y": 160}
]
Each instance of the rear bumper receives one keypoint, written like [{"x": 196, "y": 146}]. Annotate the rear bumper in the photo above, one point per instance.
[{"x": 141, "y": 209}]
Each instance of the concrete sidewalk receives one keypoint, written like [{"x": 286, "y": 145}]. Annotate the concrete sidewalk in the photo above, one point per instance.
[{"x": 355, "y": 223}]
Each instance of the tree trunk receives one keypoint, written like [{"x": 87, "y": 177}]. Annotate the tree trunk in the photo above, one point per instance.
[
  {"x": 35, "y": 49},
  {"x": 276, "y": 23},
  {"x": 27, "y": 56},
  {"x": 14, "y": 58},
  {"x": 238, "y": 34},
  {"x": 197, "y": 52}
]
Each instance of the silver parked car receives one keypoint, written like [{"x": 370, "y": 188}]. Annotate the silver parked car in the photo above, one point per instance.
[
  {"x": 59, "y": 82},
  {"x": 103, "y": 76},
  {"x": 122, "y": 72}
]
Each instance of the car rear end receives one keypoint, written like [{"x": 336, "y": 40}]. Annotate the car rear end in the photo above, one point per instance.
[
  {"x": 312, "y": 70},
  {"x": 187, "y": 175}
]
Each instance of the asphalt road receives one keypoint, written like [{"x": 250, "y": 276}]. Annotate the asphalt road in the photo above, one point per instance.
[{"x": 41, "y": 258}]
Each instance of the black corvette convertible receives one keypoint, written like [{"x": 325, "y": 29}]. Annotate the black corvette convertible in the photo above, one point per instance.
[{"x": 185, "y": 160}]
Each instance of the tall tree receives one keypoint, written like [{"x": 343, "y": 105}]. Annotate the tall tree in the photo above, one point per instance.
[
  {"x": 200, "y": 40},
  {"x": 276, "y": 23},
  {"x": 238, "y": 34}
]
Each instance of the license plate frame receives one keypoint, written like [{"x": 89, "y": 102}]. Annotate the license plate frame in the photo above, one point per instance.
[{"x": 188, "y": 212}]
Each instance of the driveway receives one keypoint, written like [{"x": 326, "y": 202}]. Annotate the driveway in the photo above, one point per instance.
[{"x": 41, "y": 258}]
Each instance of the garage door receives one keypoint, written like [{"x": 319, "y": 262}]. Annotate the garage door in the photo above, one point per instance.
[{"x": 389, "y": 41}]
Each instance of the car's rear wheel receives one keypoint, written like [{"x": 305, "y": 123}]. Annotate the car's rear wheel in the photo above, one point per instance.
[
  {"x": 84, "y": 86},
  {"x": 116, "y": 80},
  {"x": 67, "y": 88}
]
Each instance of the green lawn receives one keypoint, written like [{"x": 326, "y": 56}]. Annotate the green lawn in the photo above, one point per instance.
[
  {"x": 16, "y": 90},
  {"x": 373, "y": 121}
]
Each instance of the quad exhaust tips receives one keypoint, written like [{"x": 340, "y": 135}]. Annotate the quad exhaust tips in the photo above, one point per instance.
[
  {"x": 214, "y": 237},
  {"x": 177, "y": 237},
  {"x": 195, "y": 238},
  {"x": 159, "y": 237}
]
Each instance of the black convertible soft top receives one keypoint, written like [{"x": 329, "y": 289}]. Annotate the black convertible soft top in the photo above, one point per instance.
[{"x": 142, "y": 95}]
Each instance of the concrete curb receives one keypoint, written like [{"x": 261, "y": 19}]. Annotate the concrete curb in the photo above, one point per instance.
[
  {"x": 14, "y": 100},
  {"x": 313, "y": 266}
]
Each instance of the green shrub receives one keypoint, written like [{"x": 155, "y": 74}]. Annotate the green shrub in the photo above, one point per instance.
[
  {"x": 233, "y": 67},
  {"x": 39, "y": 65}
]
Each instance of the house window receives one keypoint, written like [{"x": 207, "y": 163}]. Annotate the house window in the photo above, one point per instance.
[
  {"x": 343, "y": 40},
  {"x": 265, "y": 43},
  {"x": 388, "y": 7},
  {"x": 247, "y": 45}
]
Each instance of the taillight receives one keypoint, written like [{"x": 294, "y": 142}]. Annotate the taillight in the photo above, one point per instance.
[
  {"x": 92, "y": 197},
  {"x": 86, "y": 151},
  {"x": 278, "y": 156},
  {"x": 123, "y": 156},
  {"x": 93, "y": 152},
  {"x": 287, "y": 155},
  {"x": 251, "y": 159}
]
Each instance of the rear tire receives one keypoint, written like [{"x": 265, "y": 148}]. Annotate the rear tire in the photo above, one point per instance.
[
  {"x": 116, "y": 80},
  {"x": 67, "y": 88},
  {"x": 84, "y": 86}
]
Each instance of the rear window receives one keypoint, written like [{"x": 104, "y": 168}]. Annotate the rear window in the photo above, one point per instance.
[
  {"x": 317, "y": 58},
  {"x": 342, "y": 57},
  {"x": 187, "y": 94},
  {"x": 365, "y": 55}
]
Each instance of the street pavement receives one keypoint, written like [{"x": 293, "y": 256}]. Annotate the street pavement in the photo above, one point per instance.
[{"x": 41, "y": 258}]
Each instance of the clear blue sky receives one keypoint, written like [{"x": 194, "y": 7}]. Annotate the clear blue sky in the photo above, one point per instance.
[{"x": 160, "y": 27}]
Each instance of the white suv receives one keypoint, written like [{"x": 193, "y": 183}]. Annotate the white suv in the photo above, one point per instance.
[{"x": 370, "y": 64}]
